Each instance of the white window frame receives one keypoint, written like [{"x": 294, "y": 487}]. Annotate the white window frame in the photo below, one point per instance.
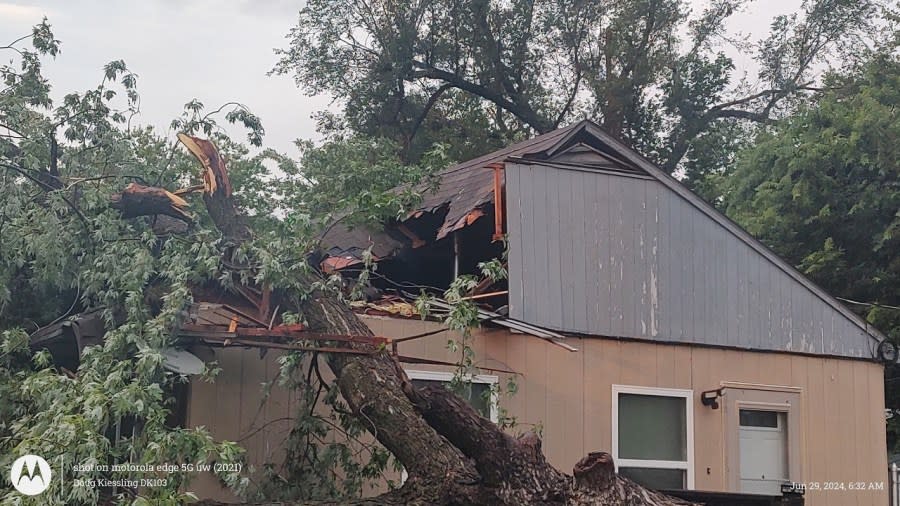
[
  {"x": 447, "y": 377},
  {"x": 688, "y": 396}
]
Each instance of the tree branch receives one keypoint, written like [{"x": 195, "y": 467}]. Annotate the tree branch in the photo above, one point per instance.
[
  {"x": 499, "y": 457},
  {"x": 217, "y": 194},
  {"x": 371, "y": 384},
  {"x": 139, "y": 200},
  {"x": 726, "y": 110},
  {"x": 432, "y": 101},
  {"x": 522, "y": 111},
  {"x": 49, "y": 189}
]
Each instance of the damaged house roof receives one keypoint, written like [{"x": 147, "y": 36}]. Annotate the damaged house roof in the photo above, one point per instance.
[
  {"x": 463, "y": 190},
  {"x": 466, "y": 192}
]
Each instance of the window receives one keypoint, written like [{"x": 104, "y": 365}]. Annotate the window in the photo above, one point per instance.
[
  {"x": 653, "y": 440},
  {"x": 480, "y": 393},
  {"x": 757, "y": 418}
]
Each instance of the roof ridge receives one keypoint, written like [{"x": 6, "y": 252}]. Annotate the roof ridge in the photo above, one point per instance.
[{"x": 510, "y": 148}]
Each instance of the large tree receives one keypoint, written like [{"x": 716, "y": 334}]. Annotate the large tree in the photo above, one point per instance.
[
  {"x": 96, "y": 215},
  {"x": 483, "y": 72}
]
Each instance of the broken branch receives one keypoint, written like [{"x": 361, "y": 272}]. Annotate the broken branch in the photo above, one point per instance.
[
  {"x": 139, "y": 200},
  {"x": 217, "y": 193}
]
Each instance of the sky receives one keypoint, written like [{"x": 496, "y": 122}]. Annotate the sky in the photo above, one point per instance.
[{"x": 215, "y": 51}]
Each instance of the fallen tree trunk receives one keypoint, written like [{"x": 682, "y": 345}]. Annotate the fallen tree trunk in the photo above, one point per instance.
[{"x": 453, "y": 455}]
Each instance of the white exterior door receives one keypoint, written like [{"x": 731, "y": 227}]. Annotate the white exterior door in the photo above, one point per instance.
[{"x": 763, "y": 447}]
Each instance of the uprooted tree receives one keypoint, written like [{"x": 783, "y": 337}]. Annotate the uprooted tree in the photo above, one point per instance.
[{"x": 96, "y": 215}]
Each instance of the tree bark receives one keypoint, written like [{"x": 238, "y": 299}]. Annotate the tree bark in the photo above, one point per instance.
[
  {"x": 139, "y": 200},
  {"x": 217, "y": 192}
]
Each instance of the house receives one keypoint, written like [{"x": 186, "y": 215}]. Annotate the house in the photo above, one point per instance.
[{"x": 636, "y": 319}]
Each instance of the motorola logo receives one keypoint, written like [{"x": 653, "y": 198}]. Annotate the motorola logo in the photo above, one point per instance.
[{"x": 30, "y": 474}]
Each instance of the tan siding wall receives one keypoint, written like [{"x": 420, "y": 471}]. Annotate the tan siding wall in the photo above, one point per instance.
[
  {"x": 569, "y": 395},
  {"x": 232, "y": 408}
]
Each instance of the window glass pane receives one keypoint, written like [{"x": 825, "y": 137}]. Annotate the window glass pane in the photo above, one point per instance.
[
  {"x": 479, "y": 397},
  {"x": 477, "y": 394},
  {"x": 652, "y": 427},
  {"x": 671, "y": 479},
  {"x": 754, "y": 418}
]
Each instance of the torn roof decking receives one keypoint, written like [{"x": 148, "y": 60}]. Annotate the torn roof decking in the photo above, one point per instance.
[
  {"x": 353, "y": 240},
  {"x": 468, "y": 185},
  {"x": 463, "y": 188},
  {"x": 403, "y": 307}
]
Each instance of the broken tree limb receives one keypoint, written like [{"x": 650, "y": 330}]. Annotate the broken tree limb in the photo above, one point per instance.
[
  {"x": 596, "y": 482},
  {"x": 514, "y": 469},
  {"x": 166, "y": 225},
  {"x": 496, "y": 454},
  {"x": 370, "y": 384},
  {"x": 217, "y": 193},
  {"x": 139, "y": 200},
  {"x": 596, "y": 471},
  {"x": 374, "y": 388},
  {"x": 189, "y": 189}
]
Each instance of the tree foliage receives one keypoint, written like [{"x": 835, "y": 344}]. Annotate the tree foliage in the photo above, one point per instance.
[
  {"x": 64, "y": 250},
  {"x": 355, "y": 178},
  {"x": 485, "y": 72},
  {"x": 822, "y": 188}
]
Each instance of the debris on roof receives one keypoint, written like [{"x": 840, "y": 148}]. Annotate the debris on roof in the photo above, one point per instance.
[
  {"x": 85, "y": 327},
  {"x": 386, "y": 306},
  {"x": 345, "y": 245},
  {"x": 469, "y": 185},
  {"x": 402, "y": 307},
  {"x": 491, "y": 317},
  {"x": 223, "y": 325}
]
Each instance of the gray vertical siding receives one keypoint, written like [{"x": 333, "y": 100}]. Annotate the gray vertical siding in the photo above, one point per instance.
[{"x": 613, "y": 255}]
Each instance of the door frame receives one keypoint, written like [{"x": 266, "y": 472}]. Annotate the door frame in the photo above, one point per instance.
[{"x": 784, "y": 399}]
